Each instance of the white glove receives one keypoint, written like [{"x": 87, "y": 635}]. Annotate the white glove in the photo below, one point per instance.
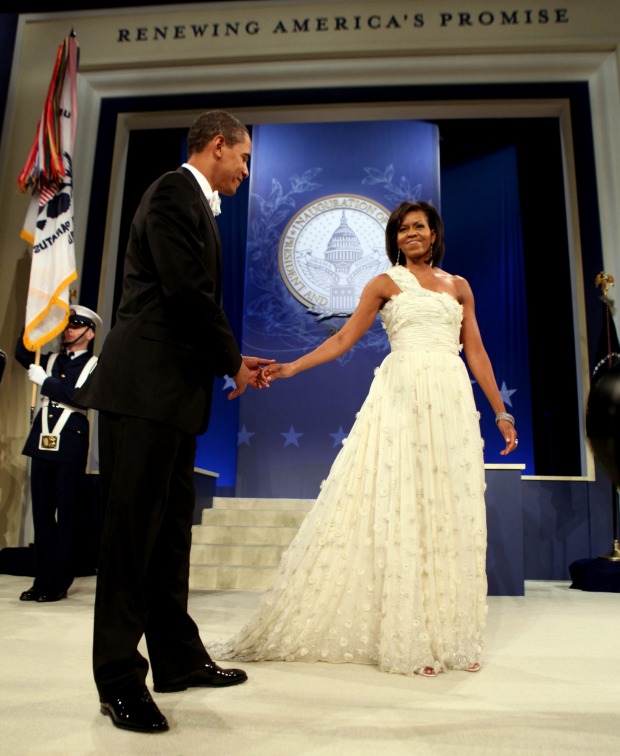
[{"x": 36, "y": 374}]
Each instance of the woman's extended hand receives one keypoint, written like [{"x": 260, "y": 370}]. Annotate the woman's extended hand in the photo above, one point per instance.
[
  {"x": 507, "y": 429},
  {"x": 279, "y": 370}
]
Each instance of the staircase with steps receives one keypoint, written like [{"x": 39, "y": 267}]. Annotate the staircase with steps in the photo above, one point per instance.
[{"x": 239, "y": 542}]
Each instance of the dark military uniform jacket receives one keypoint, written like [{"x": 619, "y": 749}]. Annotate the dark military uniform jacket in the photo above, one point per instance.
[{"x": 58, "y": 389}]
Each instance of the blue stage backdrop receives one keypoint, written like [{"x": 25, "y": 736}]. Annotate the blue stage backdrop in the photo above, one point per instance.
[{"x": 320, "y": 196}]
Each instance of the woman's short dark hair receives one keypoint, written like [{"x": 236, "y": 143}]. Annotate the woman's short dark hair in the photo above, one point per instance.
[
  {"x": 395, "y": 220},
  {"x": 208, "y": 125}
]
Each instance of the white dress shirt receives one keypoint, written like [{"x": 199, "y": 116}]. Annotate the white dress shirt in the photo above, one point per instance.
[{"x": 213, "y": 198}]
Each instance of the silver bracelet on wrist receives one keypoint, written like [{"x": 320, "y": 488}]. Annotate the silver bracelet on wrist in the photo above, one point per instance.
[{"x": 504, "y": 416}]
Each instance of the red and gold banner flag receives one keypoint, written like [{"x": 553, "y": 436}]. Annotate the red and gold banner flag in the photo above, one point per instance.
[{"x": 48, "y": 226}]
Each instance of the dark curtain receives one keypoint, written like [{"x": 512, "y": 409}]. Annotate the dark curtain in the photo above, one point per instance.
[{"x": 484, "y": 244}]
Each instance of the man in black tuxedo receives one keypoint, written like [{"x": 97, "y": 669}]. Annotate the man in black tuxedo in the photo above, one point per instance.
[
  {"x": 152, "y": 388},
  {"x": 58, "y": 447}
]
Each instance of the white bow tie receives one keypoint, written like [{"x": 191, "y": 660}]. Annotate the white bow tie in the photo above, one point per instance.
[{"x": 214, "y": 203}]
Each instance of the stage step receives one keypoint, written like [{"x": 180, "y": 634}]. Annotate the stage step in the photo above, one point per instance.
[
  {"x": 239, "y": 543},
  {"x": 221, "y": 502}
]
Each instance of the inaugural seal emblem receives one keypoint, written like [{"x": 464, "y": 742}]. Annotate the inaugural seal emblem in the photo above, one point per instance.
[{"x": 331, "y": 249}]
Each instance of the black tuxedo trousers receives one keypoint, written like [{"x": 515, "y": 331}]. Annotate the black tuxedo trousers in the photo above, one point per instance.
[{"x": 143, "y": 590}]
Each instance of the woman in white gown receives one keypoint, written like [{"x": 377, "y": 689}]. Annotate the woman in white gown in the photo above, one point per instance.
[{"x": 388, "y": 568}]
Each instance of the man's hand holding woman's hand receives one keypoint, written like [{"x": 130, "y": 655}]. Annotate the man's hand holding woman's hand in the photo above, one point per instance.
[
  {"x": 256, "y": 365},
  {"x": 251, "y": 372}
]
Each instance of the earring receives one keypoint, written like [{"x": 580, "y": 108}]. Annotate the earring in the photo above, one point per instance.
[
  {"x": 398, "y": 258},
  {"x": 431, "y": 254}
]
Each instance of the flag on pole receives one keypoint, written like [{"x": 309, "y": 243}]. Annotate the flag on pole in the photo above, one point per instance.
[{"x": 48, "y": 226}]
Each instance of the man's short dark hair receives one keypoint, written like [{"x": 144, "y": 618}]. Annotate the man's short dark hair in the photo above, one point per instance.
[{"x": 208, "y": 125}]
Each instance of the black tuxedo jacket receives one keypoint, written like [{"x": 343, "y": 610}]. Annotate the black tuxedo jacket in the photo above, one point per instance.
[{"x": 171, "y": 335}]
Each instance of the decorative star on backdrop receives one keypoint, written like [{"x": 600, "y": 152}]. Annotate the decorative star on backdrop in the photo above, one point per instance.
[
  {"x": 506, "y": 393},
  {"x": 244, "y": 436},
  {"x": 338, "y": 436},
  {"x": 228, "y": 383},
  {"x": 291, "y": 437}
]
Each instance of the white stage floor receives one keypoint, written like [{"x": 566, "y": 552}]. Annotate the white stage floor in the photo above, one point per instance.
[{"x": 548, "y": 685}]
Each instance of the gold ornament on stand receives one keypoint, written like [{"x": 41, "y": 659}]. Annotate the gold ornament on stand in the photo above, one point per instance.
[
  {"x": 614, "y": 554},
  {"x": 604, "y": 280}
]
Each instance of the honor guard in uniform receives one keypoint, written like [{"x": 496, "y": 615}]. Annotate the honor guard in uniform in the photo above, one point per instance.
[{"x": 58, "y": 447}]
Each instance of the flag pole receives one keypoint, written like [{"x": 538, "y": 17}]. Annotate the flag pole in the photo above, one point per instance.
[
  {"x": 614, "y": 554},
  {"x": 33, "y": 400},
  {"x": 37, "y": 361}
]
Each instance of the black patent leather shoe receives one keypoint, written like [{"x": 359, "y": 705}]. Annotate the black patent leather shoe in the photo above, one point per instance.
[
  {"x": 209, "y": 676},
  {"x": 32, "y": 594},
  {"x": 45, "y": 598},
  {"x": 135, "y": 711}
]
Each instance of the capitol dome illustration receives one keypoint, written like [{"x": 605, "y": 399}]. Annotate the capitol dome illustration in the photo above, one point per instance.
[
  {"x": 344, "y": 248},
  {"x": 329, "y": 251}
]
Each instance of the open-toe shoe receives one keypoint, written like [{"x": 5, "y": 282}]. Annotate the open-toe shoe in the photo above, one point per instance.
[{"x": 427, "y": 672}]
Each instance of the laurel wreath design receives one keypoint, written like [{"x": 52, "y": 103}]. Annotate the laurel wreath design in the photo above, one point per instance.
[{"x": 269, "y": 311}]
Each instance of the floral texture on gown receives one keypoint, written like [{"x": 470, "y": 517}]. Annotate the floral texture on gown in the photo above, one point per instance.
[{"x": 388, "y": 567}]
